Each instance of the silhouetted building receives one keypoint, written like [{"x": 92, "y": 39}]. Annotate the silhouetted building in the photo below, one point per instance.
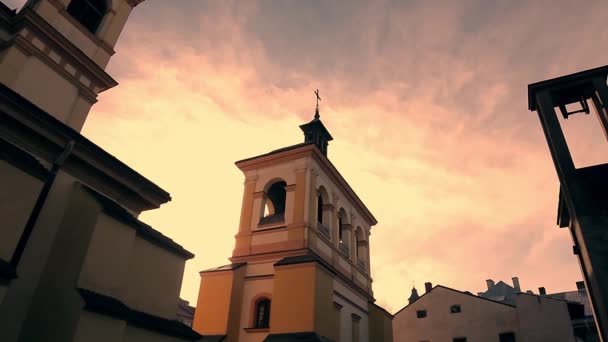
[
  {"x": 445, "y": 314},
  {"x": 76, "y": 264},
  {"x": 502, "y": 291},
  {"x": 582, "y": 318},
  {"x": 583, "y": 192}
]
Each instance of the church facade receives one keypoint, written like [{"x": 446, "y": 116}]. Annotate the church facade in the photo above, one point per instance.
[
  {"x": 300, "y": 268},
  {"x": 76, "y": 264}
]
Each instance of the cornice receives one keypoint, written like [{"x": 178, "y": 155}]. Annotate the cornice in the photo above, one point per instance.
[
  {"x": 32, "y": 129},
  {"x": 30, "y": 20}
]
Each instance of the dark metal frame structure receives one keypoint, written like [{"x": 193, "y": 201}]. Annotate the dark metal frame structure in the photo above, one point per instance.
[{"x": 583, "y": 199}]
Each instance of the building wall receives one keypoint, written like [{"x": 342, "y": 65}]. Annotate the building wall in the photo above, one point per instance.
[
  {"x": 380, "y": 324},
  {"x": 543, "y": 319},
  {"x": 351, "y": 304},
  {"x": 480, "y": 320},
  {"x": 72, "y": 68},
  {"x": 17, "y": 198}
]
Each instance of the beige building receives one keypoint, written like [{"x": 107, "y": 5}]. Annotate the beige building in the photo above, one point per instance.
[
  {"x": 300, "y": 269},
  {"x": 443, "y": 314},
  {"x": 76, "y": 264}
]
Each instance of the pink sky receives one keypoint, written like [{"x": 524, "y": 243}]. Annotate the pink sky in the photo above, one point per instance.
[{"x": 426, "y": 101}]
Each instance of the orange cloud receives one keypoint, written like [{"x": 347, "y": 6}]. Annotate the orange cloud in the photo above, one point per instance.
[{"x": 426, "y": 101}]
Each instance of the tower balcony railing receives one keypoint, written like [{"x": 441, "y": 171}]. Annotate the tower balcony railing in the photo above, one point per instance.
[
  {"x": 323, "y": 229},
  {"x": 344, "y": 248}
]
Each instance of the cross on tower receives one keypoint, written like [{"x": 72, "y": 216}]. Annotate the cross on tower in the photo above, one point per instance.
[{"x": 317, "y": 110}]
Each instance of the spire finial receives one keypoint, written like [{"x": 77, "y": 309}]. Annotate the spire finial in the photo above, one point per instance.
[{"x": 317, "y": 116}]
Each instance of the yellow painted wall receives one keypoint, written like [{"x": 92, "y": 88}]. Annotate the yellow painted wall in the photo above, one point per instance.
[
  {"x": 105, "y": 272},
  {"x": 326, "y": 320},
  {"x": 17, "y": 198},
  {"x": 214, "y": 297},
  {"x": 293, "y": 299},
  {"x": 154, "y": 279}
]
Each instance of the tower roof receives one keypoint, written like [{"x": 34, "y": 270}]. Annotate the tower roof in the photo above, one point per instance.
[
  {"x": 315, "y": 132},
  {"x": 413, "y": 296}
]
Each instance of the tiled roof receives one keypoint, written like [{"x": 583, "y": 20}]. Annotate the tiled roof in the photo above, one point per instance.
[{"x": 228, "y": 267}]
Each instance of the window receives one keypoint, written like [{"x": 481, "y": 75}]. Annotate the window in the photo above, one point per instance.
[
  {"x": 459, "y": 339},
  {"x": 262, "y": 314},
  {"x": 420, "y": 313},
  {"x": 88, "y": 12},
  {"x": 455, "y": 309},
  {"x": 319, "y": 207},
  {"x": 355, "y": 328},
  {"x": 274, "y": 203},
  {"x": 507, "y": 337},
  {"x": 340, "y": 227},
  {"x": 360, "y": 247}
]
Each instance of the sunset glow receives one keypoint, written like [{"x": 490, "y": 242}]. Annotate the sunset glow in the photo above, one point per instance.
[{"x": 426, "y": 101}]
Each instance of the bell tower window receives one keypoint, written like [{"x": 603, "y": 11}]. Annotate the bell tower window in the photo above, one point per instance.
[
  {"x": 274, "y": 203},
  {"x": 323, "y": 213},
  {"x": 319, "y": 208},
  {"x": 89, "y": 13}
]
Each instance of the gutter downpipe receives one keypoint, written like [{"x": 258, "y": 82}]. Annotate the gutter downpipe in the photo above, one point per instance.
[{"x": 31, "y": 222}]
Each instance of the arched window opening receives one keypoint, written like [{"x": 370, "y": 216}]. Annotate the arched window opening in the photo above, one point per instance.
[
  {"x": 274, "y": 204},
  {"x": 323, "y": 213},
  {"x": 361, "y": 244},
  {"x": 343, "y": 232},
  {"x": 319, "y": 207},
  {"x": 340, "y": 229},
  {"x": 262, "y": 314},
  {"x": 89, "y": 13}
]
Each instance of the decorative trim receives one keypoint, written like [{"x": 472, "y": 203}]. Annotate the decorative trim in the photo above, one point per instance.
[
  {"x": 259, "y": 277},
  {"x": 229, "y": 267},
  {"x": 258, "y": 194},
  {"x": 37, "y": 26},
  {"x": 256, "y": 330},
  {"x": 290, "y": 187},
  {"x": 29, "y": 49},
  {"x": 355, "y": 317},
  {"x": 328, "y": 206},
  {"x": 22, "y": 160},
  {"x": 346, "y": 299}
]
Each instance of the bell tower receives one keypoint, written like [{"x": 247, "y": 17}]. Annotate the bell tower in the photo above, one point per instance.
[
  {"x": 54, "y": 52},
  {"x": 300, "y": 268}
]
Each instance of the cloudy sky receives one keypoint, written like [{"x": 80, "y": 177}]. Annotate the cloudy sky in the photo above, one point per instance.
[{"x": 427, "y": 103}]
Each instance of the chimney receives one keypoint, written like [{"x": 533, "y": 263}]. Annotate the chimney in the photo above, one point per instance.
[
  {"x": 516, "y": 284},
  {"x": 542, "y": 291},
  {"x": 490, "y": 283},
  {"x": 428, "y": 287},
  {"x": 580, "y": 285}
]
